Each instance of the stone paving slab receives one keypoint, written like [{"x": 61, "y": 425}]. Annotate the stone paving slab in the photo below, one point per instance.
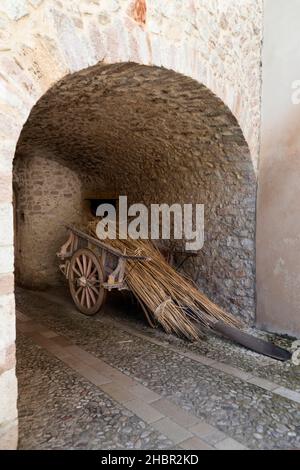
[
  {"x": 202, "y": 429},
  {"x": 172, "y": 430},
  {"x": 230, "y": 444},
  {"x": 118, "y": 393},
  {"x": 214, "y": 437},
  {"x": 290, "y": 394},
  {"x": 194, "y": 443},
  {"x": 144, "y": 411},
  {"x": 142, "y": 392},
  {"x": 176, "y": 414},
  {"x": 263, "y": 383},
  {"x": 100, "y": 366}
]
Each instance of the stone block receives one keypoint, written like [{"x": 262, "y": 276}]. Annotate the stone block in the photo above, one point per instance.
[
  {"x": 9, "y": 126},
  {"x": 6, "y": 284},
  {"x": 7, "y": 152},
  {"x": 75, "y": 52},
  {"x": 194, "y": 443},
  {"x": 9, "y": 97},
  {"x": 7, "y": 358},
  {"x": 35, "y": 3},
  {"x": 14, "y": 9},
  {"x": 263, "y": 383},
  {"x": 10, "y": 67},
  {"x": 110, "y": 5},
  {"x": 7, "y": 321},
  {"x": 173, "y": 431},
  {"x": 230, "y": 444},
  {"x": 202, "y": 429},
  {"x": 6, "y": 259},
  {"x": 287, "y": 393},
  {"x": 9, "y": 436},
  {"x": 6, "y": 192},
  {"x": 144, "y": 394},
  {"x": 8, "y": 394},
  {"x": 144, "y": 411},
  {"x": 139, "y": 11},
  {"x": 6, "y": 218},
  {"x": 174, "y": 412},
  {"x": 115, "y": 391}
]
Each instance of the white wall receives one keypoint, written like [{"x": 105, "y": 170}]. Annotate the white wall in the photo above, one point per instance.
[{"x": 278, "y": 222}]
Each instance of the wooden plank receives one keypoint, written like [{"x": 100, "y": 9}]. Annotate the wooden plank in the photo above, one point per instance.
[
  {"x": 104, "y": 246},
  {"x": 251, "y": 342}
]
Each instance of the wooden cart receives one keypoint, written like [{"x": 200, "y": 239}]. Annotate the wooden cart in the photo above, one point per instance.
[{"x": 92, "y": 268}]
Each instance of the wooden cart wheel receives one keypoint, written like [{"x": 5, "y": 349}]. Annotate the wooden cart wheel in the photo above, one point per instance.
[{"x": 86, "y": 276}]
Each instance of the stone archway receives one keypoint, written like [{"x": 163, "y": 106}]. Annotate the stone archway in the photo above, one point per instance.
[
  {"x": 43, "y": 41},
  {"x": 154, "y": 136}
]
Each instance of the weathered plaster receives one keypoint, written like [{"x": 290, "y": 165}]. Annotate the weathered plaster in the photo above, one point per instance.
[{"x": 278, "y": 218}]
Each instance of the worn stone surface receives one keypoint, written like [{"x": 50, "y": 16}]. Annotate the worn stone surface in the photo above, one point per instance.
[
  {"x": 140, "y": 11},
  {"x": 6, "y": 258},
  {"x": 8, "y": 389},
  {"x": 7, "y": 357},
  {"x": 278, "y": 217},
  {"x": 9, "y": 436},
  {"x": 7, "y": 315},
  {"x": 155, "y": 136},
  {"x": 14, "y": 9},
  {"x": 58, "y": 409},
  {"x": 254, "y": 417},
  {"x": 6, "y": 283},
  {"x": 6, "y": 234},
  {"x": 213, "y": 348}
]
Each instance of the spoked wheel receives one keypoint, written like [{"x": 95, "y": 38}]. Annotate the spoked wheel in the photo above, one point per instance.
[{"x": 86, "y": 277}]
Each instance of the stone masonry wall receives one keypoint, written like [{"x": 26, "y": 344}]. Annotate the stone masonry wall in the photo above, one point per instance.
[
  {"x": 47, "y": 196},
  {"x": 217, "y": 42}
]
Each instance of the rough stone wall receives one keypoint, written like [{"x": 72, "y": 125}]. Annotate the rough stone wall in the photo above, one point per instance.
[
  {"x": 47, "y": 196},
  {"x": 41, "y": 41}
]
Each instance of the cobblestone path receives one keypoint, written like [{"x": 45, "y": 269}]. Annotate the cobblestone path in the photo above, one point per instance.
[{"x": 110, "y": 382}]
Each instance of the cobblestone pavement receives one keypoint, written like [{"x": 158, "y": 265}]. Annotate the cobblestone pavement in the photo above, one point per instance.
[
  {"x": 151, "y": 391},
  {"x": 59, "y": 409}
]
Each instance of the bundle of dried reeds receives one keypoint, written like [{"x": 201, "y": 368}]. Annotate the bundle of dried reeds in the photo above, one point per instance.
[{"x": 167, "y": 297}]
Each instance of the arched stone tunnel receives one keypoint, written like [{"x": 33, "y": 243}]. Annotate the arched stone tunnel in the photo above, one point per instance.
[{"x": 154, "y": 136}]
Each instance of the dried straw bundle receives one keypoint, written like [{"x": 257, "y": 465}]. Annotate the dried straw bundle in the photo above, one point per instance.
[{"x": 167, "y": 297}]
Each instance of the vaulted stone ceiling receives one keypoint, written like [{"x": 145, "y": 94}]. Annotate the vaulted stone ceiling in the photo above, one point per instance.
[{"x": 136, "y": 124}]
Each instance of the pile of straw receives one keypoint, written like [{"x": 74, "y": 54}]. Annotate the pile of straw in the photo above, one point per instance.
[{"x": 167, "y": 297}]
